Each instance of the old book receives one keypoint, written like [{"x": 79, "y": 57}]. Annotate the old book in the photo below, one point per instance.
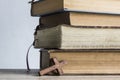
[
  {"x": 71, "y": 37},
  {"x": 96, "y": 6},
  {"x": 78, "y": 19},
  {"x": 44, "y": 62},
  {"x": 86, "y": 62}
]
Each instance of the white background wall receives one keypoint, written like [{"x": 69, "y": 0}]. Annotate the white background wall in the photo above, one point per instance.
[{"x": 16, "y": 34}]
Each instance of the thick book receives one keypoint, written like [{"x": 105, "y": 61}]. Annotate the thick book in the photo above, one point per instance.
[
  {"x": 84, "y": 62},
  {"x": 44, "y": 7},
  {"x": 78, "y": 19},
  {"x": 71, "y": 37}
]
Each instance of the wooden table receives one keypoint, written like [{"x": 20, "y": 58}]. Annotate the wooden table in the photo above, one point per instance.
[{"x": 33, "y": 75}]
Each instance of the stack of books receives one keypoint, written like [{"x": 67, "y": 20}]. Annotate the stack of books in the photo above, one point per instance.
[{"x": 85, "y": 33}]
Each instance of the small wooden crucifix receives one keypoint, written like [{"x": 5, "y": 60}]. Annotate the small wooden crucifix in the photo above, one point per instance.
[{"x": 57, "y": 66}]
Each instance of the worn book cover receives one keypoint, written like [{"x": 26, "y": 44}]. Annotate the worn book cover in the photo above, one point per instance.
[
  {"x": 78, "y": 19},
  {"x": 44, "y": 7},
  {"x": 84, "y": 62},
  {"x": 71, "y": 37}
]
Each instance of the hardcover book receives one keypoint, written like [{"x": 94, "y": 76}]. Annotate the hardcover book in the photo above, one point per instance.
[
  {"x": 71, "y": 37},
  {"x": 44, "y": 7},
  {"x": 84, "y": 62},
  {"x": 78, "y": 19}
]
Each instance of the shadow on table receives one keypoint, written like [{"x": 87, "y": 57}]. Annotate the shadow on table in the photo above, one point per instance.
[{"x": 33, "y": 72}]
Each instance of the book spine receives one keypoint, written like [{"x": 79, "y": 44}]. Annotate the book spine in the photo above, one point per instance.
[{"x": 44, "y": 59}]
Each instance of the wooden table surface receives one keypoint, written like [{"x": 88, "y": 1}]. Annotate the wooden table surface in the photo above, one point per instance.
[{"x": 33, "y": 75}]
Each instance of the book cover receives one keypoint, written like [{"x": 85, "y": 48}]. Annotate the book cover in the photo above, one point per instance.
[
  {"x": 71, "y": 37},
  {"x": 86, "y": 62},
  {"x": 44, "y": 7},
  {"x": 80, "y": 19}
]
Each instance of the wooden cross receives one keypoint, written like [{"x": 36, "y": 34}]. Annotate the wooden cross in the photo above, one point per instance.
[{"x": 57, "y": 66}]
